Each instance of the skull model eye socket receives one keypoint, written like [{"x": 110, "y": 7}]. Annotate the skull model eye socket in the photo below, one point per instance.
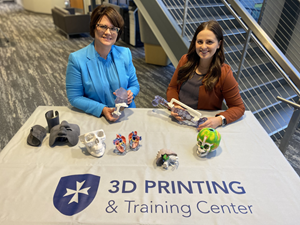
[
  {"x": 200, "y": 143},
  {"x": 206, "y": 146},
  {"x": 89, "y": 137},
  {"x": 100, "y": 134}
]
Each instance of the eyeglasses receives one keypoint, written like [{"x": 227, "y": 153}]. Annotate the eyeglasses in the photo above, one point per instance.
[{"x": 103, "y": 28}]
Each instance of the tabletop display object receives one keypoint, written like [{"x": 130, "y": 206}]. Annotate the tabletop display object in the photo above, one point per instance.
[
  {"x": 166, "y": 158},
  {"x": 94, "y": 142},
  {"x": 134, "y": 141},
  {"x": 231, "y": 185},
  {"x": 52, "y": 119},
  {"x": 121, "y": 101},
  {"x": 36, "y": 135},
  {"x": 64, "y": 133},
  {"x": 208, "y": 140},
  {"x": 190, "y": 116},
  {"x": 120, "y": 144}
]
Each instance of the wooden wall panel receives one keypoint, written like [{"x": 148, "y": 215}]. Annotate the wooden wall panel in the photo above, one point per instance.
[{"x": 76, "y": 4}]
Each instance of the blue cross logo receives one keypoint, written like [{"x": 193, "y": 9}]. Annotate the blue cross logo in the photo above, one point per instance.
[{"x": 74, "y": 193}]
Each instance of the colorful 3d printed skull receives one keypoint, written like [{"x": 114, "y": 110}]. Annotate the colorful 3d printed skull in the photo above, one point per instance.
[
  {"x": 94, "y": 142},
  {"x": 208, "y": 139}
]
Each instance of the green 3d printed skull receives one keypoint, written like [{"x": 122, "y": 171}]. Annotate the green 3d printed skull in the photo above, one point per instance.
[{"x": 208, "y": 139}]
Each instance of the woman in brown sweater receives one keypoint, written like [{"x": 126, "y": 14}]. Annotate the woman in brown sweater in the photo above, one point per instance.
[{"x": 202, "y": 80}]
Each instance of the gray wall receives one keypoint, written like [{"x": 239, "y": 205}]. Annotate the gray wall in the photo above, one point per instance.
[
  {"x": 293, "y": 52},
  {"x": 269, "y": 23},
  {"x": 19, "y": 2},
  {"x": 271, "y": 16}
]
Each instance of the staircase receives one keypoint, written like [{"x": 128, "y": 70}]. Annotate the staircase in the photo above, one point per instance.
[{"x": 260, "y": 80}]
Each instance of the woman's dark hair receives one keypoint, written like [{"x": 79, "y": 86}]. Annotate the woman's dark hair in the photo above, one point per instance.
[
  {"x": 212, "y": 76},
  {"x": 114, "y": 17}
]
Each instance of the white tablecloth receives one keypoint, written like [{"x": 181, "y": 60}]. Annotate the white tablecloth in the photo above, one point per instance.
[{"x": 245, "y": 181}]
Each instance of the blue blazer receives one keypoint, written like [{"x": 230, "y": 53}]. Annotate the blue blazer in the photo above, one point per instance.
[{"x": 86, "y": 86}]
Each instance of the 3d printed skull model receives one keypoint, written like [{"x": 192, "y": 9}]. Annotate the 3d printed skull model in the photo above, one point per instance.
[
  {"x": 190, "y": 116},
  {"x": 134, "y": 141},
  {"x": 208, "y": 139},
  {"x": 121, "y": 101},
  {"x": 94, "y": 142},
  {"x": 166, "y": 158},
  {"x": 120, "y": 143}
]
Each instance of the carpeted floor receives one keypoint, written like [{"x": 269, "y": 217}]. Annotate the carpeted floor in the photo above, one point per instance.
[{"x": 33, "y": 65}]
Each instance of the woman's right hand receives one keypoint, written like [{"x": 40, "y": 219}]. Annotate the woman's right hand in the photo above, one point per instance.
[
  {"x": 107, "y": 112},
  {"x": 175, "y": 114}
]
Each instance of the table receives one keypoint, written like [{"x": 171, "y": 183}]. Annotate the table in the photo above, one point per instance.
[{"x": 245, "y": 181}]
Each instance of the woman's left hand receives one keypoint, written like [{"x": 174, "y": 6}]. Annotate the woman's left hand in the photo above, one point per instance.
[
  {"x": 129, "y": 97},
  {"x": 212, "y": 122}
]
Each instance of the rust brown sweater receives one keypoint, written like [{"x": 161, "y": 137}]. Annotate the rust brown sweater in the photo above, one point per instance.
[{"x": 226, "y": 88}]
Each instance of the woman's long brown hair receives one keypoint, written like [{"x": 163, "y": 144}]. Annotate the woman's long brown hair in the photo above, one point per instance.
[{"x": 212, "y": 76}]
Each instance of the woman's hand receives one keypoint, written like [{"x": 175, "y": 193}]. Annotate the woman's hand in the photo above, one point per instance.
[
  {"x": 212, "y": 122},
  {"x": 175, "y": 114},
  {"x": 129, "y": 97},
  {"x": 107, "y": 112}
]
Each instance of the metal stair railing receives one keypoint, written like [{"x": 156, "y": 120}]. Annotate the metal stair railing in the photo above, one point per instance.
[
  {"x": 269, "y": 45},
  {"x": 289, "y": 72},
  {"x": 164, "y": 27},
  {"x": 281, "y": 31},
  {"x": 266, "y": 112},
  {"x": 293, "y": 124},
  {"x": 261, "y": 69}
]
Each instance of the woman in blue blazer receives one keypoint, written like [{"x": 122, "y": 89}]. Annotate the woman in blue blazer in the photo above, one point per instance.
[{"x": 95, "y": 72}]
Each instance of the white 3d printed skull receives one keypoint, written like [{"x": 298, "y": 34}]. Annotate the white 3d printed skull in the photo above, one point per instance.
[{"x": 94, "y": 142}]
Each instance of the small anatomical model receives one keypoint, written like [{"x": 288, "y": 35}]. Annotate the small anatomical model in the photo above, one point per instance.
[
  {"x": 190, "y": 116},
  {"x": 120, "y": 143},
  {"x": 121, "y": 101},
  {"x": 134, "y": 141},
  {"x": 94, "y": 142},
  {"x": 166, "y": 158}
]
